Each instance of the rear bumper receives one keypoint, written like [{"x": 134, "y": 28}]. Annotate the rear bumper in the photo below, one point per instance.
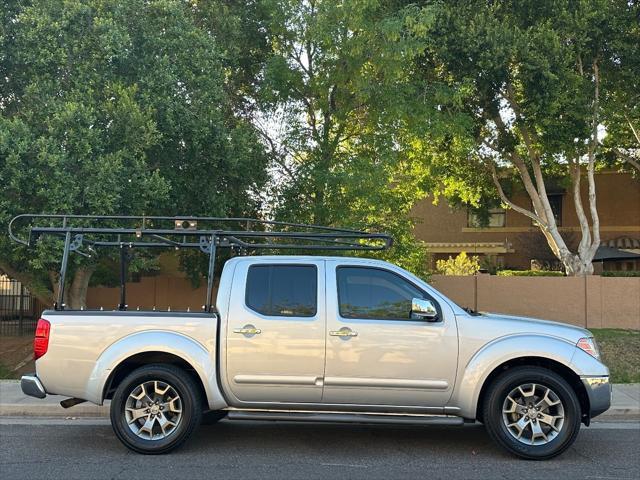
[
  {"x": 31, "y": 385},
  {"x": 599, "y": 392}
]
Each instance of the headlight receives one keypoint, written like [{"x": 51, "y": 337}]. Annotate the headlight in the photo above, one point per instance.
[{"x": 588, "y": 344}]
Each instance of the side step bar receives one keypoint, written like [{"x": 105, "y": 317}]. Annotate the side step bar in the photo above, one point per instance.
[{"x": 339, "y": 417}]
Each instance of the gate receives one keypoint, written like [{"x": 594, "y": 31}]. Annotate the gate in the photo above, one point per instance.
[{"x": 19, "y": 310}]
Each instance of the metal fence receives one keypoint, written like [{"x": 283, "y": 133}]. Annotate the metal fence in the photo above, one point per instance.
[{"x": 19, "y": 310}]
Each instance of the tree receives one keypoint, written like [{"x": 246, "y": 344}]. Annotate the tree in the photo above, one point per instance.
[
  {"x": 112, "y": 107},
  {"x": 535, "y": 75},
  {"x": 332, "y": 93}
]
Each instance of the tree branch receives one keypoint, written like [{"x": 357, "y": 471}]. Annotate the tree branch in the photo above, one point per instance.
[
  {"x": 274, "y": 153},
  {"x": 633, "y": 130},
  {"x": 574, "y": 171},
  {"x": 625, "y": 157},
  {"x": 506, "y": 201},
  {"x": 595, "y": 219}
]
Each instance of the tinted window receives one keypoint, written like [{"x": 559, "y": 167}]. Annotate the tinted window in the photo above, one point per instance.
[
  {"x": 282, "y": 290},
  {"x": 374, "y": 293}
]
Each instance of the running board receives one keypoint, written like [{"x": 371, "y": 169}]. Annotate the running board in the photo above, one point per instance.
[{"x": 333, "y": 417}]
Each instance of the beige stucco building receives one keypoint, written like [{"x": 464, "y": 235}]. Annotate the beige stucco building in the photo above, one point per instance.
[{"x": 511, "y": 240}]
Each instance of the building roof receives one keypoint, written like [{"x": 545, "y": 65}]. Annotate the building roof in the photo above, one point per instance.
[{"x": 622, "y": 248}]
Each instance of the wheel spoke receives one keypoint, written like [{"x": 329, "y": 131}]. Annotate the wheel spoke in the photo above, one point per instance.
[
  {"x": 528, "y": 394},
  {"x": 147, "y": 427},
  {"x": 160, "y": 391},
  {"x": 520, "y": 425},
  {"x": 165, "y": 424},
  {"x": 173, "y": 405},
  {"x": 142, "y": 396},
  {"x": 549, "y": 420},
  {"x": 513, "y": 408},
  {"x": 137, "y": 413},
  {"x": 536, "y": 432},
  {"x": 546, "y": 401}
]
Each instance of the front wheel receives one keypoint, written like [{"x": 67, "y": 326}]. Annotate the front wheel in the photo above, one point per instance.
[
  {"x": 532, "y": 412},
  {"x": 156, "y": 409}
]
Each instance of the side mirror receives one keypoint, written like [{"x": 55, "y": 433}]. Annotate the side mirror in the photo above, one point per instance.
[{"x": 422, "y": 309}]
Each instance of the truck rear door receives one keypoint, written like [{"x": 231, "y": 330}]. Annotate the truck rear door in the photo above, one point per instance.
[{"x": 275, "y": 336}]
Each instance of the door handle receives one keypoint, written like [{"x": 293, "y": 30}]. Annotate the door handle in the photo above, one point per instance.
[
  {"x": 247, "y": 330},
  {"x": 343, "y": 332}
]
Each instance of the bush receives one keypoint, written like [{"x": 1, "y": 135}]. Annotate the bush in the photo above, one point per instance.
[
  {"x": 628, "y": 273},
  {"x": 530, "y": 273},
  {"x": 461, "y": 265}
]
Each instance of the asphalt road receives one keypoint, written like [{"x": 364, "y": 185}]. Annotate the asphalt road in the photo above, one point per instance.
[{"x": 87, "y": 449}]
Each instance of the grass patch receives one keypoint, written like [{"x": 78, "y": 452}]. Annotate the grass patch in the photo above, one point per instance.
[{"x": 620, "y": 350}]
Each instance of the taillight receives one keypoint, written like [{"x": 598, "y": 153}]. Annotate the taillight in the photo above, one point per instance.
[{"x": 41, "y": 340}]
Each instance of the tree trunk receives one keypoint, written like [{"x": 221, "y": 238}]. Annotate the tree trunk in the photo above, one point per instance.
[
  {"x": 54, "y": 278},
  {"x": 77, "y": 292}
]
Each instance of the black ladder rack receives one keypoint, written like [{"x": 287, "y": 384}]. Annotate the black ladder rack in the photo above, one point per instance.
[{"x": 204, "y": 233}]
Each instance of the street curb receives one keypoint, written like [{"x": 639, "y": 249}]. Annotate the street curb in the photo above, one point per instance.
[{"x": 22, "y": 410}]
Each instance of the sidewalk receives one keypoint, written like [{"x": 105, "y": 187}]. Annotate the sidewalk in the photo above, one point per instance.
[{"x": 625, "y": 404}]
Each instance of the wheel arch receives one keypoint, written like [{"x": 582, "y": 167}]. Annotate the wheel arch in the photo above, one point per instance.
[
  {"x": 571, "y": 377},
  {"x": 550, "y": 352},
  {"x": 149, "y": 347},
  {"x": 128, "y": 365}
]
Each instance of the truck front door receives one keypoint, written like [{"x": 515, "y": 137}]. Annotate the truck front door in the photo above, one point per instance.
[
  {"x": 276, "y": 332},
  {"x": 378, "y": 353}
]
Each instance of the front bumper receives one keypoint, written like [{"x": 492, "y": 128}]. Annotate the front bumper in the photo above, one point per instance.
[
  {"x": 599, "y": 392},
  {"x": 31, "y": 385}
]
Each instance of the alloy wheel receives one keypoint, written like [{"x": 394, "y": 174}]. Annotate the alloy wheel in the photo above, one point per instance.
[
  {"x": 153, "y": 410},
  {"x": 533, "y": 414}
]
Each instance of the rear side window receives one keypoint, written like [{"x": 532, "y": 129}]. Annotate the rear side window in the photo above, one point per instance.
[{"x": 282, "y": 290}]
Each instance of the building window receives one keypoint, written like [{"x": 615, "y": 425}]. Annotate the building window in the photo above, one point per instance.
[
  {"x": 497, "y": 217},
  {"x": 556, "y": 207},
  {"x": 555, "y": 201}
]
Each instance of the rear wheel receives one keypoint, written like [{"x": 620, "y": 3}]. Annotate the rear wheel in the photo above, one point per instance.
[
  {"x": 532, "y": 412},
  {"x": 156, "y": 409}
]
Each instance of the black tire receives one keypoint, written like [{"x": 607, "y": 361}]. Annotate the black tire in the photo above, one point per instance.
[
  {"x": 212, "y": 417},
  {"x": 493, "y": 412},
  {"x": 191, "y": 404}
]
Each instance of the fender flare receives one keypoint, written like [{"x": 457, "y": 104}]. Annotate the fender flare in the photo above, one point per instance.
[
  {"x": 186, "y": 348},
  {"x": 501, "y": 350}
]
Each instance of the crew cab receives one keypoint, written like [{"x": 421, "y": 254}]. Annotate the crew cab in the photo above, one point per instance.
[{"x": 322, "y": 338}]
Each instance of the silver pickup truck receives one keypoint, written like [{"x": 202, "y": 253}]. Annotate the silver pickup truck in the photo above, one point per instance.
[{"x": 319, "y": 338}]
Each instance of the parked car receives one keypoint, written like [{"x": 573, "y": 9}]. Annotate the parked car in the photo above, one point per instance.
[
  {"x": 319, "y": 338},
  {"x": 325, "y": 339}
]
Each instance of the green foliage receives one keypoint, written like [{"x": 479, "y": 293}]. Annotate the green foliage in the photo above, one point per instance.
[
  {"x": 627, "y": 273},
  {"x": 529, "y": 273},
  {"x": 522, "y": 78},
  {"x": 460, "y": 265},
  {"x": 111, "y": 107},
  {"x": 335, "y": 85}
]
